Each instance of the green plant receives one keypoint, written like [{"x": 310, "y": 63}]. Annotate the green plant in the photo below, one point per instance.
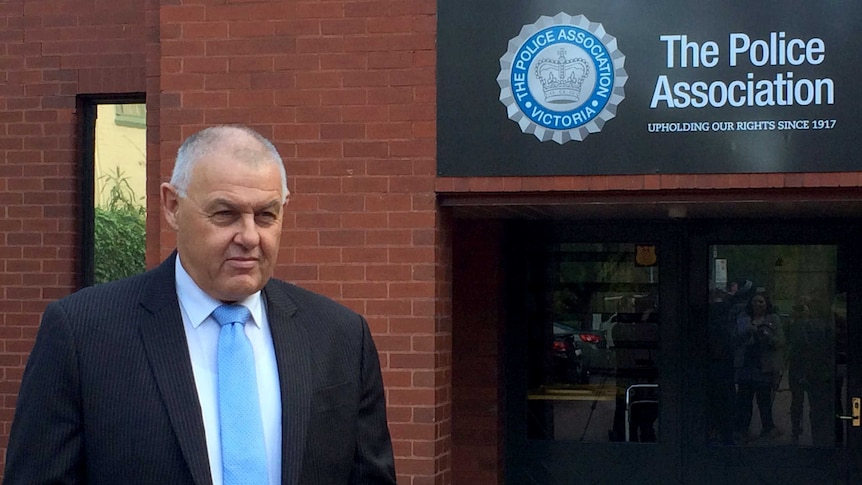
[
  {"x": 120, "y": 231},
  {"x": 121, "y": 195}
]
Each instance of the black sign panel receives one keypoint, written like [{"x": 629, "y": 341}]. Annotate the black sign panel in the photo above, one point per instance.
[{"x": 638, "y": 87}]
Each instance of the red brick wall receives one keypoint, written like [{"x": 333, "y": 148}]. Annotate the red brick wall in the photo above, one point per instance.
[
  {"x": 50, "y": 51},
  {"x": 346, "y": 91}
]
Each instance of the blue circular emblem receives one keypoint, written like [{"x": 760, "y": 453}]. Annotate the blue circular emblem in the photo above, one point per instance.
[{"x": 562, "y": 78}]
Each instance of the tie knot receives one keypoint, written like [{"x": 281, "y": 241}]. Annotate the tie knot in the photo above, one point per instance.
[{"x": 227, "y": 314}]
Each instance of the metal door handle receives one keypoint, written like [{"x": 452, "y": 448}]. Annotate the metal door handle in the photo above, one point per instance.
[{"x": 856, "y": 412}]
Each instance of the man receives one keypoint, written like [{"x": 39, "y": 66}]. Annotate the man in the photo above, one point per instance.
[{"x": 122, "y": 386}]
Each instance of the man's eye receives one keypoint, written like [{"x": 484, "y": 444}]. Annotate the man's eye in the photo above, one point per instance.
[
  {"x": 223, "y": 216},
  {"x": 266, "y": 217}
]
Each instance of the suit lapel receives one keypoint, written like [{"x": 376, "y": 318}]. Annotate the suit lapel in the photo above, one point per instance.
[
  {"x": 166, "y": 347},
  {"x": 292, "y": 346}
]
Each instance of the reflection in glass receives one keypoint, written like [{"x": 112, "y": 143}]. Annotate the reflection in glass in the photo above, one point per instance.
[
  {"x": 120, "y": 192},
  {"x": 593, "y": 344},
  {"x": 775, "y": 344}
]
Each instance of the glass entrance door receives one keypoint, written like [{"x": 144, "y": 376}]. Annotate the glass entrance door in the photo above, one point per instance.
[
  {"x": 776, "y": 374},
  {"x": 594, "y": 351},
  {"x": 687, "y": 352},
  {"x": 778, "y": 343},
  {"x": 590, "y": 391}
]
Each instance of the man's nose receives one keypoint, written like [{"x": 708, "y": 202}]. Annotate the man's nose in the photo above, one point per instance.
[{"x": 247, "y": 233}]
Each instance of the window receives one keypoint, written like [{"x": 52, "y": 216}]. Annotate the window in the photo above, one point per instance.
[
  {"x": 593, "y": 344},
  {"x": 131, "y": 115},
  {"x": 777, "y": 346},
  {"x": 113, "y": 187}
]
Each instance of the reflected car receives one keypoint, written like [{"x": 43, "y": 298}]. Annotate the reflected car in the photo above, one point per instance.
[{"x": 577, "y": 354}]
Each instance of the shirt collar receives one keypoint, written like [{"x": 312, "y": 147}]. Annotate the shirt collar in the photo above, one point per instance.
[{"x": 199, "y": 305}]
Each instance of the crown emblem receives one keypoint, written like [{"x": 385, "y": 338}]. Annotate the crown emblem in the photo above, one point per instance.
[{"x": 562, "y": 78}]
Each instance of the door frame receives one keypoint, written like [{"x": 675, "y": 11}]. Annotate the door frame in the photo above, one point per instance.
[
  {"x": 706, "y": 464},
  {"x": 682, "y": 452},
  {"x": 553, "y": 462}
]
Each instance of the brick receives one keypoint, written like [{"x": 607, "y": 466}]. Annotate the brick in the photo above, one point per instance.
[
  {"x": 251, "y": 98},
  {"x": 359, "y": 184},
  {"x": 322, "y": 10},
  {"x": 343, "y": 238},
  {"x": 343, "y": 26},
  {"x": 389, "y": 272},
  {"x": 368, "y": 79},
  {"x": 204, "y": 30},
  {"x": 364, "y": 290},
  {"x": 388, "y": 238},
  {"x": 388, "y": 307},
  {"x": 365, "y": 113},
  {"x": 320, "y": 149},
  {"x": 343, "y": 272},
  {"x": 181, "y": 48},
  {"x": 365, "y": 255},
  {"x": 342, "y": 131},
  {"x": 366, "y": 149},
  {"x": 260, "y": 11},
  {"x": 391, "y": 24},
  {"x": 319, "y": 80},
  {"x": 341, "y": 203},
  {"x": 205, "y": 99},
  {"x": 240, "y": 29},
  {"x": 181, "y": 13},
  {"x": 317, "y": 45},
  {"x": 319, "y": 114},
  {"x": 250, "y": 64},
  {"x": 344, "y": 61},
  {"x": 343, "y": 97},
  {"x": 227, "y": 81},
  {"x": 391, "y": 95},
  {"x": 343, "y": 167}
]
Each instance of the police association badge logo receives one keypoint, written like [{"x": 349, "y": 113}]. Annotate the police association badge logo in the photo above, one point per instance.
[
  {"x": 562, "y": 78},
  {"x": 645, "y": 255}
]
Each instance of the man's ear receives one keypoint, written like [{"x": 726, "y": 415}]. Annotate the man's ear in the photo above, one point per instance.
[{"x": 170, "y": 201}]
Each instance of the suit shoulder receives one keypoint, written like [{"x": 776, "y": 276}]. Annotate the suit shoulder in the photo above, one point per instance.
[{"x": 106, "y": 296}]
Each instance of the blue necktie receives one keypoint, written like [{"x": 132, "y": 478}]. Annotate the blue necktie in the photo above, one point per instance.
[{"x": 242, "y": 444}]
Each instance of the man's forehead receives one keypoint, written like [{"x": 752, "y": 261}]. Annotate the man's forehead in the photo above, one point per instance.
[
  {"x": 242, "y": 145},
  {"x": 242, "y": 203},
  {"x": 232, "y": 160},
  {"x": 222, "y": 184},
  {"x": 250, "y": 154}
]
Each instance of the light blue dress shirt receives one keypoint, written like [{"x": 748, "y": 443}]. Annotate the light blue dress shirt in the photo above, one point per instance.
[{"x": 202, "y": 332}]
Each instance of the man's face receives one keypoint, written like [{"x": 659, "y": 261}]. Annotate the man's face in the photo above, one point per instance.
[{"x": 229, "y": 224}]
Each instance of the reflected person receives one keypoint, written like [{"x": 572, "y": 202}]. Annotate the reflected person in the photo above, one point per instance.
[
  {"x": 724, "y": 308},
  {"x": 810, "y": 356},
  {"x": 758, "y": 365}
]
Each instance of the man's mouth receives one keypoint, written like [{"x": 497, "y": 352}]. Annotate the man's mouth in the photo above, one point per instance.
[{"x": 242, "y": 263}]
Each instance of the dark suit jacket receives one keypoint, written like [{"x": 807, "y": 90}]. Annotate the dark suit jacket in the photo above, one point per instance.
[{"x": 108, "y": 395}]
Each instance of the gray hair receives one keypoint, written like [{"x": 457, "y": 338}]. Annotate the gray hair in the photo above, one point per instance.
[{"x": 204, "y": 142}]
